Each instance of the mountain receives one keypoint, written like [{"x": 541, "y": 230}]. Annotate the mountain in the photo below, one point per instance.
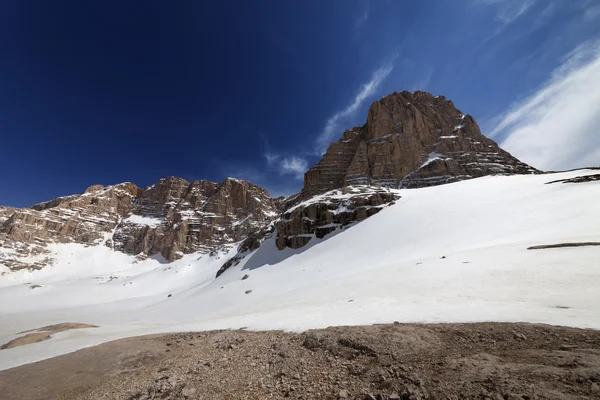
[
  {"x": 447, "y": 253},
  {"x": 411, "y": 140},
  {"x": 375, "y": 236},
  {"x": 171, "y": 218}
]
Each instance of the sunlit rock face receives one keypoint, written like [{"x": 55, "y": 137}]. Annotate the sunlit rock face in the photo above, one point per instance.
[
  {"x": 411, "y": 140},
  {"x": 171, "y": 218}
]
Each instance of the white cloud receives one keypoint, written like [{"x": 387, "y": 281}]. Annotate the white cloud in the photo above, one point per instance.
[
  {"x": 272, "y": 158},
  {"x": 293, "y": 165},
  {"x": 558, "y": 127},
  {"x": 334, "y": 123}
]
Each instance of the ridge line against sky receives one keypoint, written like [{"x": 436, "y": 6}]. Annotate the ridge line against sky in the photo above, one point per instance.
[
  {"x": 341, "y": 120},
  {"x": 83, "y": 104}
]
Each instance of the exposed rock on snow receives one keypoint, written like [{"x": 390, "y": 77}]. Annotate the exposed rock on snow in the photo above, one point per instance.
[
  {"x": 323, "y": 214},
  {"x": 409, "y": 140},
  {"x": 393, "y": 148},
  {"x": 175, "y": 217},
  {"x": 559, "y": 245},
  {"x": 85, "y": 219},
  {"x": 579, "y": 179},
  {"x": 171, "y": 218}
]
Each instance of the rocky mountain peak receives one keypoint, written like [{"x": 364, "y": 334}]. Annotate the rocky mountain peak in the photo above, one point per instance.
[
  {"x": 410, "y": 140},
  {"x": 172, "y": 217}
]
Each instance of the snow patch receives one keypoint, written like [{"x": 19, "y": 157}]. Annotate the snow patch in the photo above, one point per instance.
[{"x": 142, "y": 220}]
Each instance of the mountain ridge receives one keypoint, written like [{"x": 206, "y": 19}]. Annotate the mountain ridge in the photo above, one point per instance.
[{"x": 409, "y": 140}]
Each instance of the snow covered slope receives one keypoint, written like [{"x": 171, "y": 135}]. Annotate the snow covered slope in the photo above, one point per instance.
[{"x": 451, "y": 253}]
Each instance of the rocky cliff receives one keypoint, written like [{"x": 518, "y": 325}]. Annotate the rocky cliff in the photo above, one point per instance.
[
  {"x": 410, "y": 140},
  {"x": 175, "y": 217},
  {"x": 326, "y": 213},
  {"x": 171, "y": 218}
]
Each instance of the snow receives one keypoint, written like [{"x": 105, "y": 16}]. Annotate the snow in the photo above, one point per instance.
[
  {"x": 431, "y": 157},
  {"x": 338, "y": 195},
  {"x": 141, "y": 220},
  {"x": 390, "y": 264}
]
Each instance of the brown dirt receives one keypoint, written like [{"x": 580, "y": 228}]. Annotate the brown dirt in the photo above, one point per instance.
[
  {"x": 398, "y": 361},
  {"x": 44, "y": 333}
]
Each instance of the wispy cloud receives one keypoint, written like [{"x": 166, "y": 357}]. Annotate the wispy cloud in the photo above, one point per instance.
[
  {"x": 295, "y": 166},
  {"x": 424, "y": 80},
  {"x": 506, "y": 12},
  {"x": 591, "y": 10},
  {"x": 363, "y": 17},
  {"x": 276, "y": 185},
  {"x": 557, "y": 127},
  {"x": 334, "y": 123},
  {"x": 287, "y": 165}
]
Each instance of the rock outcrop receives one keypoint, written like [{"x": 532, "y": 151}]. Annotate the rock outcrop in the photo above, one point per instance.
[
  {"x": 326, "y": 213},
  {"x": 175, "y": 217},
  {"x": 171, "y": 218},
  {"x": 410, "y": 140}
]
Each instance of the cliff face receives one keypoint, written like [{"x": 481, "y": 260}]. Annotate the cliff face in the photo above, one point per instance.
[
  {"x": 410, "y": 140},
  {"x": 171, "y": 218},
  {"x": 175, "y": 217}
]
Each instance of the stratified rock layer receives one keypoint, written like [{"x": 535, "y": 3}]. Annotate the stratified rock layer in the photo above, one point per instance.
[
  {"x": 186, "y": 217},
  {"x": 323, "y": 214},
  {"x": 410, "y": 140},
  {"x": 172, "y": 218}
]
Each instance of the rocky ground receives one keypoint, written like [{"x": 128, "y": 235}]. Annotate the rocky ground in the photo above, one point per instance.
[{"x": 398, "y": 361}]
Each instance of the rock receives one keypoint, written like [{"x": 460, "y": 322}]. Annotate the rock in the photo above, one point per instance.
[
  {"x": 189, "y": 392},
  {"x": 84, "y": 219},
  {"x": 410, "y": 140},
  {"x": 519, "y": 336},
  {"x": 197, "y": 216},
  {"x": 248, "y": 291},
  {"x": 318, "y": 217},
  {"x": 171, "y": 218},
  {"x": 567, "y": 347},
  {"x": 170, "y": 295},
  {"x": 245, "y": 277},
  {"x": 343, "y": 394}
]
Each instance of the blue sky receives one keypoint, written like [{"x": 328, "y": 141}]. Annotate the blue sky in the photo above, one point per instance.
[{"x": 107, "y": 92}]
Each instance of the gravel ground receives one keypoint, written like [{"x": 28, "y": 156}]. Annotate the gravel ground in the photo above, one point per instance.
[{"x": 397, "y": 361}]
